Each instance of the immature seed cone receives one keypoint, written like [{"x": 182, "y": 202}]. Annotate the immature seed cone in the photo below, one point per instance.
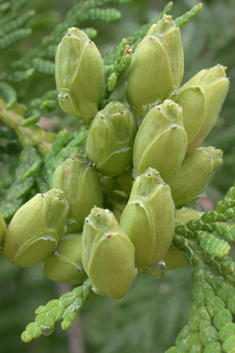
[
  {"x": 185, "y": 214},
  {"x": 82, "y": 189},
  {"x": 65, "y": 265},
  {"x": 3, "y": 229},
  {"x": 156, "y": 67},
  {"x": 36, "y": 228},
  {"x": 108, "y": 255},
  {"x": 173, "y": 258},
  {"x": 124, "y": 181},
  {"x": 110, "y": 139},
  {"x": 161, "y": 141},
  {"x": 195, "y": 174},
  {"x": 118, "y": 208},
  {"x": 148, "y": 219},
  {"x": 79, "y": 75},
  {"x": 202, "y": 98}
]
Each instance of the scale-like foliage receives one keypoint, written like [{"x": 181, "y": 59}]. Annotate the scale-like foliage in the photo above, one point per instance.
[
  {"x": 29, "y": 163},
  {"x": 65, "y": 308},
  {"x": 8, "y": 93},
  {"x": 41, "y": 58},
  {"x": 210, "y": 319},
  {"x": 210, "y": 326}
]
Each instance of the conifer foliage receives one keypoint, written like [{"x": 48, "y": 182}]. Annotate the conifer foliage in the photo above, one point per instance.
[{"x": 141, "y": 163}]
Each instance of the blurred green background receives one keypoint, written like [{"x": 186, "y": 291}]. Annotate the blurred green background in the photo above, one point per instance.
[{"x": 148, "y": 319}]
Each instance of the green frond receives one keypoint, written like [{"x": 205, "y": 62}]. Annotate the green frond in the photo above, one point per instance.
[
  {"x": 227, "y": 230},
  {"x": 64, "y": 308},
  {"x": 112, "y": 82},
  {"x": 119, "y": 1},
  {"x": 5, "y": 6},
  {"x": 34, "y": 168},
  {"x": 182, "y": 20},
  {"x": 212, "y": 245},
  {"x": 8, "y": 93},
  {"x": 36, "y": 107},
  {"x": 116, "y": 70},
  {"x": 17, "y": 76},
  {"x": 11, "y": 11},
  {"x": 33, "y": 59},
  {"x": 90, "y": 32},
  {"x": 104, "y": 102},
  {"x": 61, "y": 150},
  {"x": 8, "y": 17},
  {"x": 18, "y": 23},
  {"x": 32, "y": 119},
  {"x": 27, "y": 136},
  {"x": 42, "y": 102},
  {"x": 211, "y": 293},
  {"x": 21, "y": 186},
  {"x": 17, "y": 5},
  {"x": 64, "y": 144},
  {"x": 211, "y": 221},
  {"x": 49, "y": 52},
  {"x": 10, "y": 209},
  {"x": 13, "y": 37},
  {"x": 58, "y": 144},
  {"x": 183, "y": 229},
  {"x": 44, "y": 66},
  {"x": 98, "y": 3},
  {"x": 104, "y": 15},
  {"x": 49, "y": 105},
  {"x": 133, "y": 40}
]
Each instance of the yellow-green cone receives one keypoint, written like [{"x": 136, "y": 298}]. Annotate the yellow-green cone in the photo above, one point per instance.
[
  {"x": 117, "y": 208},
  {"x": 82, "y": 189},
  {"x": 79, "y": 75},
  {"x": 156, "y": 67},
  {"x": 148, "y": 219},
  {"x": 195, "y": 174},
  {"x": 110, "y": 139},
  {"x": 108, "y": 256},
  {"x": 65, "y": 265},
  {"x": 185, "y": 214},
  {"x": 36, "y": 228},
  {"x": 161, "y": 141},
  {"x": 202, "y": 98},
  {"x": 3, "y": 229},
  {"x": 173, "y": 258}
]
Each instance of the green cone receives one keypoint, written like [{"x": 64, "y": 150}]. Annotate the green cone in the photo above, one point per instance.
[
  {"x": 148, "y": 219},
  {"x": 36, "y": 228},
  {"x": 185, "y": 214},
  {"x": 65, "y": 265},
  {"x": 202, "y": 98},
  {"x": 110, "y": 139},
  {"x": 173, "y": 258},
  {"x": 108, "y": 254},
  {"x": 161, "y": 141},
  {"x": 82, "y": 189},
  {"x": 156, "y": 67},
  {"x": 3, "y": 229},
  {"x": 118, "y": 208},
  {"x": 195, "y": 174},
  {"x": 79, "y": 75}
]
